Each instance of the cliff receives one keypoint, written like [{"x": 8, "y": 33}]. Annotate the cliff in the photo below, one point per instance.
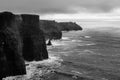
[
  {"x": 20, "y": 39},
  {"x": 11, "y": 60},
  {"x": 34, "y": 46},
  {"x": 68, "y": 26},
  {"x": 50, "y": 29}
]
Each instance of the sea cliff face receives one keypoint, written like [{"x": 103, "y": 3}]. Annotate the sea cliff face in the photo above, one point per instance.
[
  {"x": 11, "y": 60},
  {"x": 34, "y": 46},
  {"x": 50, "y": 29},
  {"x": 20, "y": 39},
  {"x": 69, "y": 26}
]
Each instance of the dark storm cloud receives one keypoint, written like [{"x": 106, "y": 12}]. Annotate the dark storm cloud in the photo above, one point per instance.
[{"x": 58, "y": 6}]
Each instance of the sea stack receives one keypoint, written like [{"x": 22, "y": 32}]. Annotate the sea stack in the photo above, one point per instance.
[
  {"x": 34, "y": 46},
  {"x": 11, "y": 60},
  {"x": 49, "y": 43}
]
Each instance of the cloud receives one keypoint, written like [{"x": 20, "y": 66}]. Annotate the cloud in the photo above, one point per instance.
[
  {"x": 59, "y": 6},
  {"x": 113, "y": 15}
]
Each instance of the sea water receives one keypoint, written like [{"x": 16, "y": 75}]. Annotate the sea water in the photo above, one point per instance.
[{"x": 91, "y": 53}]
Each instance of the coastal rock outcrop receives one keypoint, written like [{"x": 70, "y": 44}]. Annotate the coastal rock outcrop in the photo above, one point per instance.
[
  {"x": 50, "y": 29},
  {"x": 11, "y": 60},
  {"x": 68, "y": 26},
  {"x": 34, "y": 46},
  {"x": 53, "y": 30}
]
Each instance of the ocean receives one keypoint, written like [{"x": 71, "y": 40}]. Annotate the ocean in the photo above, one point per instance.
[{"x": 93, "y": 53}]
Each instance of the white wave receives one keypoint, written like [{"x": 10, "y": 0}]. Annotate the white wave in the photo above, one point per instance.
[
  {"x": 65, "y": 38},
  {"x": 76, "y": 40},
  {"x": 58, "y": 43},
  {"x": 84, "y": 44},
  {"x": 46, "y": 62},
  {"x": 87, "y": 36},
  {"x": 87, "y": 52},
  {"x": 90, "y": 44},
  {"x": 76, "y": 72}
]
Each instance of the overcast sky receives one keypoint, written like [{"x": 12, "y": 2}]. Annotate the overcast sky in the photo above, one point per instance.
[{"x": 71, "y": 9}]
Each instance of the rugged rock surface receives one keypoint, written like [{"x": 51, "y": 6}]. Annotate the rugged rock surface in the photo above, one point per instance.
[
  {"x": 68, "y": 26},
  {"x": 34, "y": 46},
  {"x": 11, "y": 61},
  {"x": 50, "y": 29}
]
